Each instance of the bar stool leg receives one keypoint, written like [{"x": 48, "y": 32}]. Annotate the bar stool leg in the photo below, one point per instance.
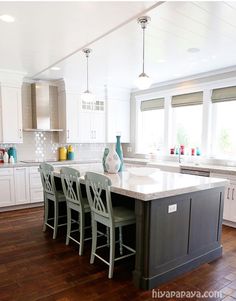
[
  {"x": 94, "y": 241},
  {"x": 45, "y": 214},
  {"x": 121, "y": 240},
  {"x": 112, "y": 252},
  {"x": 55, "y": 219},
  {"x": 68, "y": 225},
  {"x": 81, "y": 225}
]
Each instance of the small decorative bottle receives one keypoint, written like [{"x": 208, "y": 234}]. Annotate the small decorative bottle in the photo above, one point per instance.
[
  {"x": 112, "y": 162},
  {"x": 6, "y": 157},
  {"x": 119, "y": 152}
]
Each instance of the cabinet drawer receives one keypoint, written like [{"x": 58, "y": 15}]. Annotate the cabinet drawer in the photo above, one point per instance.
[
  {"x": 6, "y": 171},
  {"x": 36, "y": 195},
  {"x": 34, "y": 169}
]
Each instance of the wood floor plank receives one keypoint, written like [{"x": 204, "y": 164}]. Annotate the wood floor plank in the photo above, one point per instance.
[{"x": 33, "y": 267}]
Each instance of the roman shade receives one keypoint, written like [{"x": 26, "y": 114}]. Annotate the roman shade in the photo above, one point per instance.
[
  {"x": 189, "y": 99},
  {"x": 152, "y": 104},
  {"x": 223, "y": 94}
]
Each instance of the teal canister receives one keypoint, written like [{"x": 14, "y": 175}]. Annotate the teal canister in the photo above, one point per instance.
[
  {"x": 105, "y": 154},
  {"x": 119, "y": 152},
  {"x": 12, "y": 152}
]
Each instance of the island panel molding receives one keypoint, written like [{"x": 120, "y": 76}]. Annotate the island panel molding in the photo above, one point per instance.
[{"x": 170, "y": 244}]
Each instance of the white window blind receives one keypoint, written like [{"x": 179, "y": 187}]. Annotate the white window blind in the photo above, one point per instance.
[
  {"x": 189, "y": 99},
  {"x": 152, "y": 104},
  {"x": 223, "y": 94}
]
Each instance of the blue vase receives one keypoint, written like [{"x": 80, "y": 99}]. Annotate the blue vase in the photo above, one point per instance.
[
  {"x": 119, "y": 152},
  {"x": 12, "y": 152},
  {"x": 105, "y": 154}
]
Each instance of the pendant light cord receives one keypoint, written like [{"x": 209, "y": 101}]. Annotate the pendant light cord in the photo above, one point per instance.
[
  {"x": 87, "y": 56},
  {"x": 143, "y": 46}
]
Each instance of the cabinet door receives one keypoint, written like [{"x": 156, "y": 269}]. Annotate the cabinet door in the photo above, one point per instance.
[
  {"x": 233, "y": 202},
  {"x": 11, "y": 115},
  {"x": 118, "y": 121},
  {"x": 21, "y": 178},
  {"x": 227, "y": 203},
  {"x": 85, "y": 133},
  {"x": 72, "y": 118},
  {"x": 7, "y": 188},
  {"x": 98, "y": 127}
]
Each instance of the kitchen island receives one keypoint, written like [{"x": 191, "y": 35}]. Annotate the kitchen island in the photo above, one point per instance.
[{"x": 178, "y": 221}]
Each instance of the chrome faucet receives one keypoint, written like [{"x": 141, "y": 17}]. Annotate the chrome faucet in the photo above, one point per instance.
[{"x": 180, "y": 159}]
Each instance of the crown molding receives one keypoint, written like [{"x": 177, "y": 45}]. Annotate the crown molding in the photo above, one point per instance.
[{"x": 11, "y": 78}]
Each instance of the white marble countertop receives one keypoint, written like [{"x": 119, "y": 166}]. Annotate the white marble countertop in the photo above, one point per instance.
[
  {"x": 156, "y": 186},
  {"x": 221, "y": 169},
  {"x": 35, "y": 163}
]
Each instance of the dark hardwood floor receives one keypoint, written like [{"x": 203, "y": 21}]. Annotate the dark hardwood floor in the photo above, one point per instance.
[{"x": 33, "y": 266}]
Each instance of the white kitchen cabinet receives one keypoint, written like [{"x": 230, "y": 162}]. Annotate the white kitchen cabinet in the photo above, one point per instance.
[
  {"x": 81, "y": 122},
  {"x": 229, "y": 213},
  {"x": 36, "y": 188},
  {"x": 7, "y": 196},
  {"x": 68, "y": 107},
  {"x": 11, "y": 115},
  {"x": 92, "y": 127},
  {"x": 21, "y": 180},
  {"x": 118, "y": 120}
]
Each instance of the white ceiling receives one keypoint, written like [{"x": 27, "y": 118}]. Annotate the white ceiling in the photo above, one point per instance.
[{"x": 46, "y": 32}]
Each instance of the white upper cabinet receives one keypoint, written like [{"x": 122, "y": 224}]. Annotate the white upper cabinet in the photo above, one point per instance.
[
  {"x": 92, "y": 122},
  {"x": 118, "y": 115},
  {"x": 81, "y": 122},
  {"x": 68, "y": 109},
  {"x": 10, "y": 108}
]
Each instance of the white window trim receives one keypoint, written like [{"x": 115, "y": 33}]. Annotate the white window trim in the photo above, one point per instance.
[{"x": 207, "y": 121}]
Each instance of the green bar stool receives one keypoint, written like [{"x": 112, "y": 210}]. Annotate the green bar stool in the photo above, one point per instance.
[
  {"x": 99, "y": 197},
  {"x": 51, "y": 194},
  {"x": 75, "y": 202}
]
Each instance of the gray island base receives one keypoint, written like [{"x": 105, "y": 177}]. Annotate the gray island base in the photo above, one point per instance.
[
  {"x": 178, "y": 220},
  {"x": 169, "y": 244}
]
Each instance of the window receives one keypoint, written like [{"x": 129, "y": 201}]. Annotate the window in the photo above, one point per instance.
[
  {"x": 187, "y": 126},
  {"x": 187, "y": 119},
  {"x": 151, "y": 131},
  {"x": 224, "y": 129}
]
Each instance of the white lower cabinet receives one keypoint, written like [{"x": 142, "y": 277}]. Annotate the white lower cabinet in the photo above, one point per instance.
[
  {"x": 20, "y": 186},
  {"x": 36, "y": 189},
  {"x": 21, "y": 179},
  {"x": 229, "y": 213},
  {"x": 7, "y": 190}
]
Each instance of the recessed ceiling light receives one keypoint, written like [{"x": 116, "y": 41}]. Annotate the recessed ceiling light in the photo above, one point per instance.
[
  {"x": 213, "y": 56},
  {"x": 161, "y": 61},
  {"x": 193, "y": 50},
  {"x": 55, "y": 68},
  {"x": 7, "y": 18}
]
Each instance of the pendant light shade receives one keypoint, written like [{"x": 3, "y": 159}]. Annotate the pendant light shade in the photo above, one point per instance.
[
  {"x": 143, "y": 81},
  {"x": 87, "y": 96}
]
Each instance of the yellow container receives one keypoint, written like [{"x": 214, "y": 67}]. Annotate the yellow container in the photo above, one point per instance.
[{"x": 62, "y": 153}]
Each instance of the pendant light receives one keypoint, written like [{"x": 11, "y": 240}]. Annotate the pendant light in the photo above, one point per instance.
[
  {"x": 87, "y": 96},
  {"x": 143, "y": 81}
]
